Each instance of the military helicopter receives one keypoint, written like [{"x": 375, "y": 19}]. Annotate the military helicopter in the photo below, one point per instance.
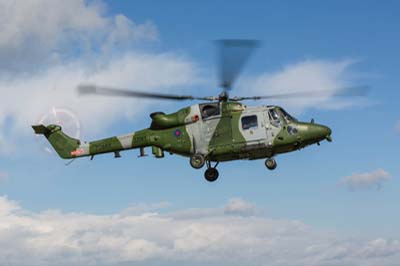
[{"x": 216, "y": 130}]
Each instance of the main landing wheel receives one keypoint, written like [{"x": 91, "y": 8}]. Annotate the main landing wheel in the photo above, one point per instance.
[
  {"x": 211, "y": 174},
  {"x": 197, "y": 161},
  {"x": 270, "y": 163}
]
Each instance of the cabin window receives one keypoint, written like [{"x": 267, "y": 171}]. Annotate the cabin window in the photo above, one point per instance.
[{"x": 249, "y": 122}]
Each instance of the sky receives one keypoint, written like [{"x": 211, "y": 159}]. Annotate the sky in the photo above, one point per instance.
[{"x": 333, "y": 204}]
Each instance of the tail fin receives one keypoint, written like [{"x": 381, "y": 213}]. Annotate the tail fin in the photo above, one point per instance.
[{"x": 62, "y": 143}]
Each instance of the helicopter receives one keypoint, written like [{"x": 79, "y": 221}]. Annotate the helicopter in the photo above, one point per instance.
[{"x": 218, "y": 129}]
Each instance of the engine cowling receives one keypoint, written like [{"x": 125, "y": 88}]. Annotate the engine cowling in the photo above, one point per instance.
[{"x": 161, "y": 120}]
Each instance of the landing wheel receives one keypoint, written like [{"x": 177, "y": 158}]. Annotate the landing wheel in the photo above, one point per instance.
[
  {"x": 197, "y": 161},
  {"x": 270, "y": 163},
  {"x": 211, "y": 174}
]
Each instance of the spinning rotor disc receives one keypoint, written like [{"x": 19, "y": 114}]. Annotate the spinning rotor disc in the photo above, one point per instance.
[{"x": 63, "y": 117}]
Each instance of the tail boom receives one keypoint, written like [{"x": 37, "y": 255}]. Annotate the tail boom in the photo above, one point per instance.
[{"x": 69, "y": 148}]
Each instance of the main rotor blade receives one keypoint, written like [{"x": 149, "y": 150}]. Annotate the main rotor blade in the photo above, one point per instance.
[
  {"x": 233, "y": 55},
  {"x": 344, "y": 92},
  {"x": 106, "y": 91}
]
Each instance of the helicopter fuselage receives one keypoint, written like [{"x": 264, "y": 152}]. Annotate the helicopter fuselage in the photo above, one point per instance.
[
  {"x": 220, "y": 131},
  {"x": 227, "y": 131}
]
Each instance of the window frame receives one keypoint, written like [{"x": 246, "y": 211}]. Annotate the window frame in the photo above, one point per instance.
[{"x": 215, "y": 105}]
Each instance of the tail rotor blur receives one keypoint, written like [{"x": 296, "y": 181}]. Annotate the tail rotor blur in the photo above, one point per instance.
[{"x": 63, "y": 117}]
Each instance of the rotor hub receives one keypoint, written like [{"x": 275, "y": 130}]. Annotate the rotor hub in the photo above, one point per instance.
[{"x": 223, "y": 96}]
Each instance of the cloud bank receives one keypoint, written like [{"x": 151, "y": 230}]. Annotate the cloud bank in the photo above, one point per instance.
[{"x": 213, "y": 237}]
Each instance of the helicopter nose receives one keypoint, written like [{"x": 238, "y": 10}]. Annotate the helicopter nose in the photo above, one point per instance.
[{"x": 321, "y": 132}]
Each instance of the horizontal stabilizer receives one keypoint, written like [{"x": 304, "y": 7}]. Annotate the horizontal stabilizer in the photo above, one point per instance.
[{"x": 41, "y": 129}]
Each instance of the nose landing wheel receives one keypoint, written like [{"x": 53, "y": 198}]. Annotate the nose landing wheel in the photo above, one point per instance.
[
  {"x": 197, "y": 161},
  {"x": 270, "y": 163},
  {"x": 211, "y": 174}
]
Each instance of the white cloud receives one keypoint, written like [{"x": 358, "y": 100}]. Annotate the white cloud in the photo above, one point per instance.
[
  {"x": 380, "y": 248},
  {"x": 368, "y": 180},
  {"x": 237, "y": 206},
  {"x": 140, "y": 208},
  {"x": 234, "y": 207},
  {"x": 36, "y": 33},
  {"x": 57, "y": 238},
  {"x": 309, "y": 75}
]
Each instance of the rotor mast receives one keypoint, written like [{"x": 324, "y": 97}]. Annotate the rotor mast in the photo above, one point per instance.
[{"x": 232, "y": 56}]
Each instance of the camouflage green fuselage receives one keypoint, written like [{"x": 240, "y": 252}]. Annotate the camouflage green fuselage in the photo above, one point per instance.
[{"x": 220, "y": 131}]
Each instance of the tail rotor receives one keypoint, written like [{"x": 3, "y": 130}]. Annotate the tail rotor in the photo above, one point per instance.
[{"x": 63, "y": 117}]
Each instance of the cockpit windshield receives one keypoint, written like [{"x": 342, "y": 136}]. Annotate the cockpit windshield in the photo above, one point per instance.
[{"x": 287, "y": 116}]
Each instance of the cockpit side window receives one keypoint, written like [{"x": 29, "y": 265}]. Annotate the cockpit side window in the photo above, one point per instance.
[
  {"x": 273, "y": 115},
  {"x": 209, "y": 109},
  {"x": 287, "y": 116},
  {"x": 249, "y": 122},
  {"x": 274, "y": 118}
]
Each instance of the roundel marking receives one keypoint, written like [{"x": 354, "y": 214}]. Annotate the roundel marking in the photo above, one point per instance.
[{"x": 177, "y": 133}]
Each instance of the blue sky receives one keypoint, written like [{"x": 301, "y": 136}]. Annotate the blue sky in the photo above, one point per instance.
[{"x": 346, "y": 42}]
